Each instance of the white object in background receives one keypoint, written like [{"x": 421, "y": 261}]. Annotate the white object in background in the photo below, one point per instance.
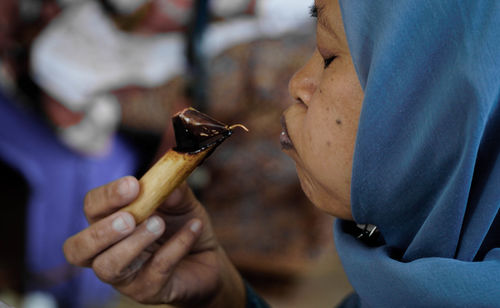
[
  {"x": 80, "y": 56},
  {"x": 92, "y": 135},
  {"x": 39, "y": 300},
  {"x": 179, "y": 11},
  {"x": 274, "y": 18},
  {"x": 226, "y": 8},
  {"x": 127, "y": 6},
  {"x": 277, "y": 17},
  {"x": 123, "y": 6},
  {"x": 81, "y": 53},
  {"x": 223, "y": 35}
]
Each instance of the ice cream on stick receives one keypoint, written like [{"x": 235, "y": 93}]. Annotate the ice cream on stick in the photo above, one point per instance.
[{"x": 197, "y": 135}]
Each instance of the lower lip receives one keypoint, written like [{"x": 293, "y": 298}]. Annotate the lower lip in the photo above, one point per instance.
[{"x": 286, "y": 142}]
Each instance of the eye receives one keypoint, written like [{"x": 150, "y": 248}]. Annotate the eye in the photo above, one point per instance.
[{"x": 329, "y": 60}]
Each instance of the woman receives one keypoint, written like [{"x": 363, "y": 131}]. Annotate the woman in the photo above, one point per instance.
[{"x": 395, "y": 125}]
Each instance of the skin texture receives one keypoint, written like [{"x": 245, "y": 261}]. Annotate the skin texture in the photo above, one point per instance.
[
  {"x": 174, "y": 257},
  {"x": 323, "y": 122}
]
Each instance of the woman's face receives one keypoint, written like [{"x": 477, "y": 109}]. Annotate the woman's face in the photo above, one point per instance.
[{"x": 320, "y": 127}]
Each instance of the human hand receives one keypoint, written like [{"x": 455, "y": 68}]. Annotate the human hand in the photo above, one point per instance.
[{"x": 171, "y": 258}]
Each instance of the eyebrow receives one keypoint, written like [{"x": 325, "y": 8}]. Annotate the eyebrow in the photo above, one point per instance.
[
  {"x": 316, "y": 12},
  {"x": 313, "y": 11}
]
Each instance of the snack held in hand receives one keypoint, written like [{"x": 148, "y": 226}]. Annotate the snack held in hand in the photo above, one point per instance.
[{"x": 197, "y": 135}]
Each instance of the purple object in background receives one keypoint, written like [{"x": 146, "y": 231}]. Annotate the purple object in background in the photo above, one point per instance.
[{"x": 58, "y": 180}]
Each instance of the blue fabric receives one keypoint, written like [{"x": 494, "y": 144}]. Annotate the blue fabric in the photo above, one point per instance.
[
  {"x": 350, "y": 301},
  {"x": 58, "y": 179},
  {"x": 426, "y": 166},
  {"x": 253, "y": 300}
]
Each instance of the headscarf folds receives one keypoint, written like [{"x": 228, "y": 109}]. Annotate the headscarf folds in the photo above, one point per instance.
[{"x": 426, "y": 166}]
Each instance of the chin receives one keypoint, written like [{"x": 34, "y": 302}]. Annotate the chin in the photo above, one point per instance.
[
  {"x": 322, "y": 200},
  {"x": 334, "y": 208}
]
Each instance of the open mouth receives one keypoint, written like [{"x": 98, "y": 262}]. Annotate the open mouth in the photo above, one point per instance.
[{"x": 285, "y": 141}]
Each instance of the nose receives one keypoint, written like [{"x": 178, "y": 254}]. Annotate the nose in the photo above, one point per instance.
[{"x": 306, "y": 80}]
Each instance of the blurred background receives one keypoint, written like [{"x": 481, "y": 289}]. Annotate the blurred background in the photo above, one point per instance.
[{"x": 87, "y": 90}]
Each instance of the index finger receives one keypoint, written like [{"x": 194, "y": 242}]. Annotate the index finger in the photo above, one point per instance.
[
  {"x": 108, "y": 198},
  {"x": 80, "y": 249}
]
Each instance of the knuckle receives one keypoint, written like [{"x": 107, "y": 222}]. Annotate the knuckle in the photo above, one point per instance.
[
  {"x": 109, "y": 191},
  {"x": 112, "y": 192},
  {"x": 94, "y": 237},
  {"x": 105, "y": 270},
  {"x": 93, "y": 240},
  {"x": 87, "y": 203},
  {"x": 141, "y": 297},
  {"x": 150, "y": 289},
  {"x": 72, "y": 253},
  {"x": 68, "y": 252},
  {"x": 146, "y": 294},
  {"x": 162, "y": 265},
  {"x": 185, "y": 240},
  {"x": 173, "y": 295}
]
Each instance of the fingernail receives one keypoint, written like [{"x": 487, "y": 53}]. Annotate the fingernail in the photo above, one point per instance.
[
  {"x": 123, "y": 223},
  {"x": 154, "y": 225},
  {"x": 124, "y": 187},
  {"x": 195, "y": 226}
]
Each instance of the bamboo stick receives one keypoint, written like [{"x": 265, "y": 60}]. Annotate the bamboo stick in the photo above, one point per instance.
[{"x": 161, "y": 179}]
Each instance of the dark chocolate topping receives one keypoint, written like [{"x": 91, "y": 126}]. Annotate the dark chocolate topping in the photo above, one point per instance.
[{"x": 196, "y": 131}]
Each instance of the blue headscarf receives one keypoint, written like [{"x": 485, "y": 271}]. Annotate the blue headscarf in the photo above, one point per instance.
[{"x": 426, "y": 166}]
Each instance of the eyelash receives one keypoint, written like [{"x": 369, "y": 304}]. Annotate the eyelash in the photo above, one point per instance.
[
  {"x": 328, "y": 61},
  {"x": 313, "y": 11}
]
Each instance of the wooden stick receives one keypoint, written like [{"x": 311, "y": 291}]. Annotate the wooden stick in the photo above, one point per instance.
[{"x": 159, "y": 181}]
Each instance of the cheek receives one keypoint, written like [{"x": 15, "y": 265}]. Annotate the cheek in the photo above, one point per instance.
[
  {"x": 324, "y": 135},
  {"x": 324, "y": 130},
  {"x": 329, "y": 133},
  {"x": 332, "y": 120},
  {"x": 327, "y": 155}
]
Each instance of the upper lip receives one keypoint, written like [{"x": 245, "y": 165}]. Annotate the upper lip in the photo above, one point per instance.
[{"x": 283, "y": 124}]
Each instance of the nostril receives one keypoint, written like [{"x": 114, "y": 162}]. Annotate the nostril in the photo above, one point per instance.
[{"x": 301, "y": 102}]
